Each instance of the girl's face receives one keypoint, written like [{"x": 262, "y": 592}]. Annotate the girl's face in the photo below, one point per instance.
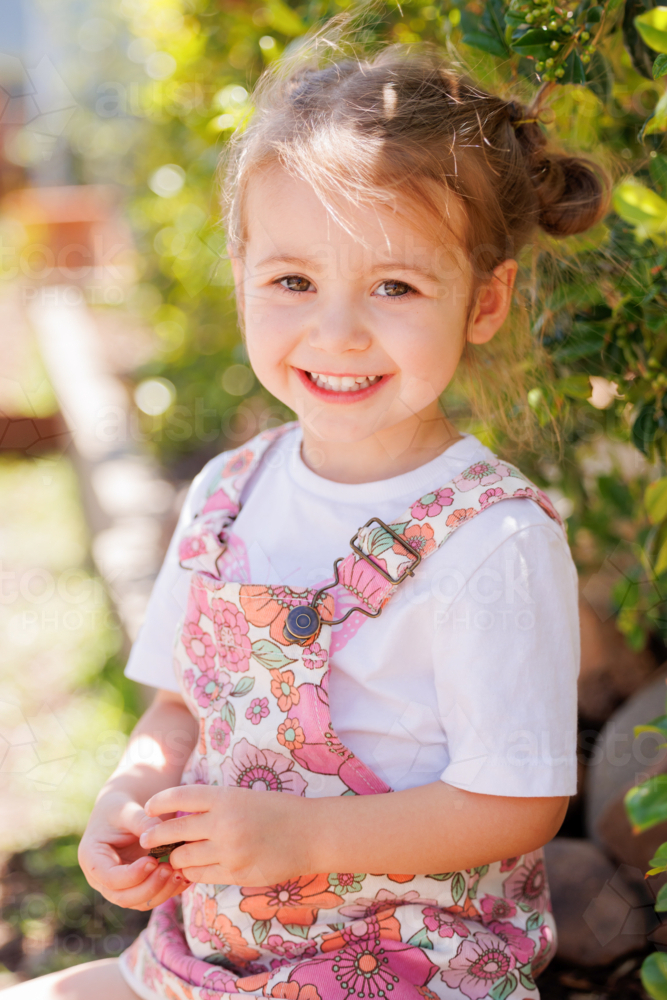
[{"x": 357, "y": 335}]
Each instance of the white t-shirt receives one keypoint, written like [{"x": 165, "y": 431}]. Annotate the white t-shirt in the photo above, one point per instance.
[{"x": 469, "y": 674}]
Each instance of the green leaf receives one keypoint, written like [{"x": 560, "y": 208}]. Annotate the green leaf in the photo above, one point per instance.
[
  {"x": 270, "y": 655},
  {"x": 658, "y": 170},
  {"x": 535, "y": 42},
  {"x": 503, "y": 988},
  {"x": 421, "y": 939},
  {"x": 652, "y": 26},
  {"x": 661, "y": 898},
  {"x": 442, "y": 877},
  {"x": 485, "y": 43},
  {"x": 658, "y": 726},
  {"x": 640, "y": 54},
  {"x": 297, "y": 929},
  {"x": 576, "y": 386},
  {"x": 646, "y": 804},
  {"x": 660, "y": 565},
  {"x": 640, "y": 206},
  {"x": 654, "y": 975},
  {"x": 660, "y": 66},
  {"x": 645, "y": 428},
  {"x": 228, "y": 713},
  {"x": 534, "y": 921},
  {"x": 378, "y": 541},
  {"x": 244, "y": 685},
  {"x": 282, "y": 18},
  {"x": 458, "y": 887},
  {"x": 655, "y": 499},
  {"x": 527, "y": 980},
  {"x": 657, "y": 122},
  {"x": 260, "y": 930}
]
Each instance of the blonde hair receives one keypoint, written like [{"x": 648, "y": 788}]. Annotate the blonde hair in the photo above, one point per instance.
[{"x": 403, "y": 129}]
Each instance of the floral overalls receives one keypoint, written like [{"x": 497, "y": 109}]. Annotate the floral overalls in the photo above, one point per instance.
[{"x": 252, "y": 662}]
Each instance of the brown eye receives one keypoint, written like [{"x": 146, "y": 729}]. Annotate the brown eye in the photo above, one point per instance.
[
  {"x": 393, "y": 289},
  {"x": 295, "y": 283}
]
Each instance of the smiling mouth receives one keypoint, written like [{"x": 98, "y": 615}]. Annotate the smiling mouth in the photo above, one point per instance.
[{"x": 343, "y": 383}]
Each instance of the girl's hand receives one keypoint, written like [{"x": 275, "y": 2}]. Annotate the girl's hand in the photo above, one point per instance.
[
  {"x": 234, "y": 836},
  {"x": 114, "y": 862}
]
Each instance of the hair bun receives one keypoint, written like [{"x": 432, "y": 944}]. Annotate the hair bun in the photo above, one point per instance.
[{"x": 572, "y": 196}]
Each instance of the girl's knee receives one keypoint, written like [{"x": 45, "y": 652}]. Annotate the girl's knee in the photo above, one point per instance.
[{"x": 101, "y": 980}]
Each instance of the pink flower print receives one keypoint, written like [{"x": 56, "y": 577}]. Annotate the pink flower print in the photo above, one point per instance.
[
  {"x": 496, "y": 908},
  {"x": 231, "y": 635},
  {"x": 520, "y": 945},
  {"x": 479, "y": 963},
  {"x": 269, "y": 606},
  {"x": 237, "y": 464},
  {"x": 198, "y": 645},
  {"x": 491, "y": 496},
  {"x": 219, "y": 735},
  {"x": 527, "y": 492},
  {"x": 219, "y": 500},
  {"x": 292, "y": 991},
  {"x": 212, "y": 686},
  {"x": 543, "y": 956},
  {"x": 197, "y": 773},
  {"x": 508, "y": 864},
  {"x": 431, "y": 504},
  {"x": 384, "y": 902},
  {"x": 190, "y": 547},
  {"x": 217, "y": 982},
  {"x": 321, "y": 750},
  {"x": 342, "y": 882},
  {"x": 481, "y": 474},
  {"x": 188, "y": 679},
  {"x": 363, "y": 582},
  {"x": 446, "y": 923},
  {"x": 313, "y": 656},
  {"x": 547, "y": 505},
  {"x": 290, "y": 950},
  {"x": 366, "y": 965},
  {"x": 528, "y": 883},
  {"x": 261, "y": 770},
  {"x": 459, "y": 516},
  {"x": 257, "y": 710}
]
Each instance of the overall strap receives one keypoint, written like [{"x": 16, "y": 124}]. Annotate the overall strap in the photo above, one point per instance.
[
  {"x": 205, "y": 539},
  {"x": 385, "y": 555}
]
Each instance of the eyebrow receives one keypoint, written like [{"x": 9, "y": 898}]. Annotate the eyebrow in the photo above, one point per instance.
[{"x": 399, "y": 265}]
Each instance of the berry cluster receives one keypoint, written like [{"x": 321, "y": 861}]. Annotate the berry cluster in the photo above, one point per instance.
[{"x": 569, "y": 32}]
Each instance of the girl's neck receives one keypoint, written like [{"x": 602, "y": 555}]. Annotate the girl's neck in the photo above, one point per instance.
[{"x": 387, "y": 453}]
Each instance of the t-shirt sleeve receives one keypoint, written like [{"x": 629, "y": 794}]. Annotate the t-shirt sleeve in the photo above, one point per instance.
[
  {"x": 151, "y": 657},
  {"x": 513, "y": 632}
]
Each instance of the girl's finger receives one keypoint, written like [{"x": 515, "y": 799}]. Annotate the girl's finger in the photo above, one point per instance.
[
  {"x": 206, "y": 873},
  {"x": 173, "y": 886},
  {"x": 182, "y": 798},
  {"x": 118, "y": 877},
  {"x": 151, "y": 888},
  {"x": 195, "y": 855},
  {"x": 171, "y": 831}
]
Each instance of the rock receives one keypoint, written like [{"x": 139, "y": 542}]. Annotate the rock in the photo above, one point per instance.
[
  {"x": 610, "y": 671},
  {"x": 615, "y": 836},
  {"x": 618, "y": 760},
  {"x": 603, "y": 911}
]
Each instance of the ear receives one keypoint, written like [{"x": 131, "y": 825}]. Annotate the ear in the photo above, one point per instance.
[{"x": 493, "y": 303}]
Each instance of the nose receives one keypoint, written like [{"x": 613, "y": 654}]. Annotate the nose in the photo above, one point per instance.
[{"x": 338, "y": 328}]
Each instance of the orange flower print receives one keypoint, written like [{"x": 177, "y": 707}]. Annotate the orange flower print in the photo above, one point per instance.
[
  {"x": 290, "y": 734},
  {"x": 206, "y": 924},
  {"x": 282, "y": 688},
  {"x": 459, "y": 516},
  {"x": 419, "y": 537},
  {"x": 293, "y": 902},
  {"x": 292, "y": 991},
  {"x": 270, "y": 606}
]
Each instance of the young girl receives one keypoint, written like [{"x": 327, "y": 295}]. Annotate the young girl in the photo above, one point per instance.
[{"x": 405, "y": 702}]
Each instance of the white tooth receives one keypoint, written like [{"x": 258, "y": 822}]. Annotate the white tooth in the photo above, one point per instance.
[
  {"x": 360, "y": 378},
  {"x": 335, "y": 382},
  {"x": 348, "y": 381}
]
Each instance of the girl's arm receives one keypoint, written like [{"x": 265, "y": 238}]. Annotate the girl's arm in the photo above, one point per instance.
[
  {"x": 431, "y": 829},
  {"x": 109, "y": 853}
]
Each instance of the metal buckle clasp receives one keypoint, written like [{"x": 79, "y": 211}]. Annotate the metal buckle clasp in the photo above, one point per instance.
[{"x": 415, "y": 556}]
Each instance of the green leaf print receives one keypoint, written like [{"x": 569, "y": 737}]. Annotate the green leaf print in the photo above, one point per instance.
[
  {"x": 527, "y": 980},
  {"x": 458, "y": 887},
  {"x": 297, "y": 930},
  {"x": 442, "y": 877},
  {"x": 245, "y": 685},
  {"x": 228, "y": 715},
  {"x": 421, "y": 939},
  {"x": 378, "y": 541},
  {"x": 503, "y": 988},
  {"x": 270, "y": 655},
  {"x": 260, "y": 930},
  {"x": 534, "y": 921}
]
